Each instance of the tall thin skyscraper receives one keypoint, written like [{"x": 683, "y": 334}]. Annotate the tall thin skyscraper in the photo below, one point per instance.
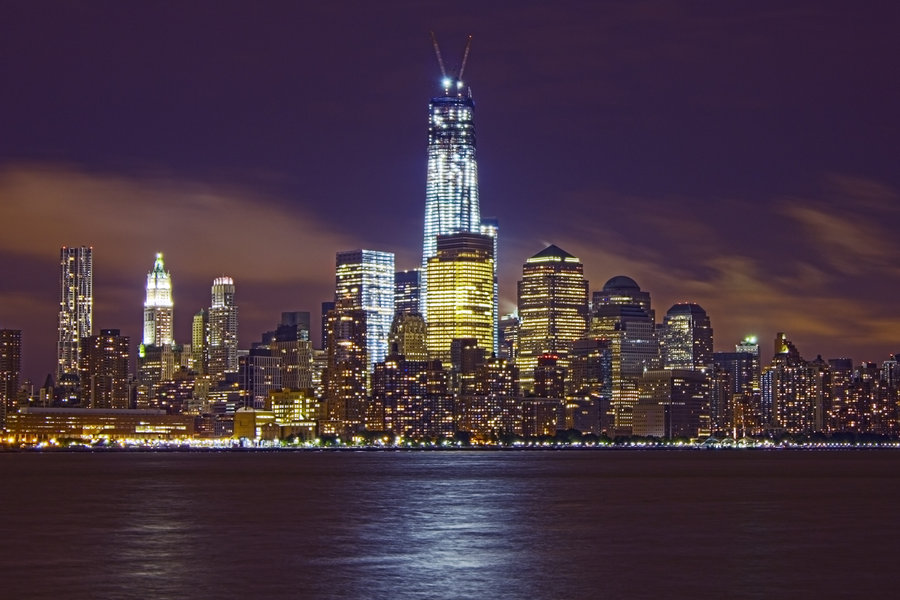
[
  {"x": 10, "y": 369},
  {"x": 553, "y": 308},
  {"x": 76, "y": 306},
  {"x": 364, "y": 280},
  {"x": 158, "y": 306},
  {"x": 223, "y": 326},
  {"x": 451, "y": 186}
]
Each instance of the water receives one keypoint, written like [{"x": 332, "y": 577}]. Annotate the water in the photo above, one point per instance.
[{"x": 510, "y": 524}]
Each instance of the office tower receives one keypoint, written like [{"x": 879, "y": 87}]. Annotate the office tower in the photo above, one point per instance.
[
  {"x": 672, "y": 404},
  {"x": 344, "y": 378},
  {"x": 10, "y": 370},
  {"x": 460, "y": 298},
  {"x": 408, "y": 335},
  {"x": 103, "y": 367},
  {"x": 200, "y": 342},
  {"x": 76, "y": 306},
  {"x": 407, "y": 289},
  {"x": 365, "y": 278},
  {"x": 290, "y": 343},
  {"x": 158, "y": 307},
  {"x": 553, "y": 309},
  {"x": 260, "y": 373},
  {"x": 687, "y": 338},
  {"x": 508, "y": 336},
  {"x": 451, "y": 184},
  {"x": 491, "y": 228},
  {"x": 629, "y": 327},
  {"x": 622, "y": 290},
  {"x": 223, "y": 329}
]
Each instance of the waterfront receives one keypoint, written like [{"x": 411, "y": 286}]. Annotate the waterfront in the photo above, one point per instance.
[{"x": 449, "y": 524}]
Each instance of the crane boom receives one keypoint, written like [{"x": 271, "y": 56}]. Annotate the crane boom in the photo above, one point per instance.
[
  {"x": 437, "y": 52},
  {"x": 465, "y": 57}
]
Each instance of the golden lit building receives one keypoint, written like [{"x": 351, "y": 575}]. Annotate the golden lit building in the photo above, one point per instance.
[
  {"x": 460, "y": 299},
  {"x": 32, "y": 424},
  {"x": 553, "y": 309}
]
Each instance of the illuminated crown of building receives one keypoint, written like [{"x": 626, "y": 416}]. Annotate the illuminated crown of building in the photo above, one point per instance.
[{"x": 158, "y": 305}]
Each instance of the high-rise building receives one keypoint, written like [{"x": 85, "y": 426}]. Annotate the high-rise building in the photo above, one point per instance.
[
  {"x": 407, "y": 289},
  {"x": 223, "y": 329},
  {"x": 460, "y": 298},
  {"x": 687, "y": 338},
  {"x": 451, "y": 185},
  {"x": 158, "y": 307},
  {"x": 553, "y": 309},
  {"x": 344, "y": 377},
  {"x": 10, "y": 369},
  {"x": 200, "y": 342},
  {"x": 76, "y": 306},
  {"x": 103, "y": 366},
  {"x": 365, "y": 279},
  {"x": 626, "y": 320}
]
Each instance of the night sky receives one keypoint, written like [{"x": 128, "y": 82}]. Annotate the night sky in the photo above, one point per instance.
[{"x": 741, "y": 155}]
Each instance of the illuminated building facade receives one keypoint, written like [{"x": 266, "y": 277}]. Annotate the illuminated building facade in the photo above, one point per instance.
[
  {"x": 344, "y": 377},
  {"x": 460, "y": 299},
  {"x": 200, "y": 342},
  {"x": 76, "y": 306},
  {"x": 553, "y": 308},
  {"x": 407, "y": 337},
  {"x": 10, "y": 370},
  {"x": 158, "y": 306},
  {"x": 103, "y": 369},
  {"x": 673, "y": 403},
  {"x": 364, "y": 280},
  {"x": 407, "y": 291},
  {"x": 411, "y": 399},
  {"x": 687, "y": 338},
  {"x": 222, "y": 342},
  {"x": 451, "y": 183},
  {"x": 33, "y": 424},
  {"x": 622, "y": 318},
  {"x": 795, "y": 392}
]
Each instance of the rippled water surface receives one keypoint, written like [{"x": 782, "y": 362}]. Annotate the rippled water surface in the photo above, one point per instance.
[{"x": 504, "y": 524}]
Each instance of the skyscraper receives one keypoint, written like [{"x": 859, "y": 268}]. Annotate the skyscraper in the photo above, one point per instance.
[
  {"x": 158, "y": 307},
  {"x": 104, "y": 370},
  {"x": 460, "y": 300},
  {"x": 10, "y": 368},
  {"x": 76, "y": 306},
  {"x": 451, "y": 186},
  {"x": 407, "y": 287},
  {"x": 223, "y": 327},
  {"x": 364, "y": 280},
  {"x": 553, "y": 308},
  {"x": 687, "y": 338}
]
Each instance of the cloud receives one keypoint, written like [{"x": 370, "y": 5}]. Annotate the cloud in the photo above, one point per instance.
[{"x": 205, "y": 229}]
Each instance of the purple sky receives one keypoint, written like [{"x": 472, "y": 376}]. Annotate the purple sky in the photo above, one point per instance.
[{"x": 741, "y": 155}]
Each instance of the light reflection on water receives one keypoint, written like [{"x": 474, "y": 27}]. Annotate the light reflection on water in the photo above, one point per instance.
[{"x": 446, "y": 524}]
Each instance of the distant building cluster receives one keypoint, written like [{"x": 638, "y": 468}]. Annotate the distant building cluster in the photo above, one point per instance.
[{"x": 423, "y": 354}]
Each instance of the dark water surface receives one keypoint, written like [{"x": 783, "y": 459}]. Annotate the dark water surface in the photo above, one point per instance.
[{"x": 510, "y": 524}]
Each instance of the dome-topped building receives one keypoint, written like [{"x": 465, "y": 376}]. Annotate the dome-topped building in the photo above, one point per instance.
[{"x": 619, "y": 290}]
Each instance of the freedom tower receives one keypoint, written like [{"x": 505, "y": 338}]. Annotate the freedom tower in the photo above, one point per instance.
[{"x": 451, "y": 184}]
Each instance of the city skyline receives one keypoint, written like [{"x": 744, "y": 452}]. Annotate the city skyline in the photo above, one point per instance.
[{"x": 777, "y": 170}]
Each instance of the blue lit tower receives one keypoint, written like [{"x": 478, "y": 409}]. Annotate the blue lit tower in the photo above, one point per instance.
[
  {"x": 364, "y": 280},
  {"x": 451, "y": 187}
]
